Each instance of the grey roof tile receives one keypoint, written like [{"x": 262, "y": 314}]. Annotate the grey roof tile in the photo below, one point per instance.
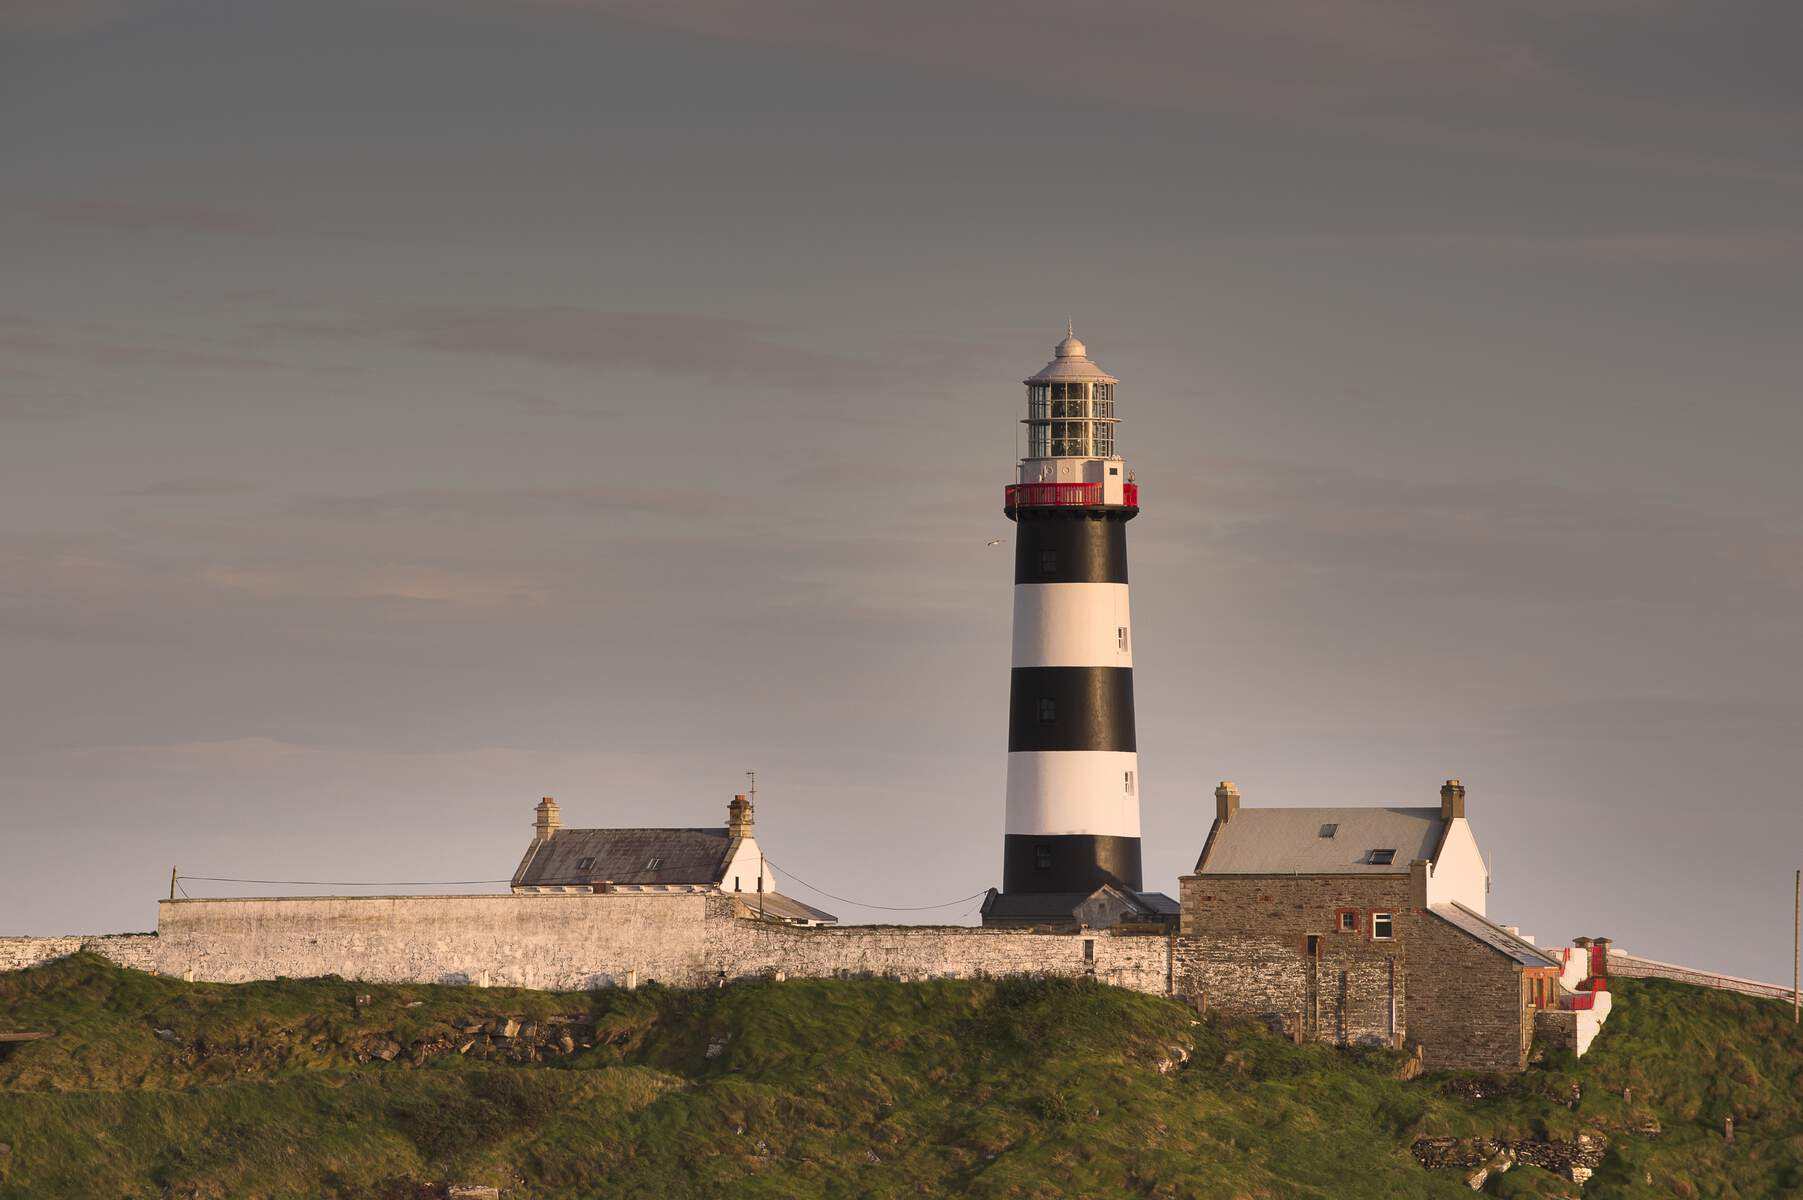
[
  {"x": 1289, "y": 841},
  {"x": 578, "y": 857}
]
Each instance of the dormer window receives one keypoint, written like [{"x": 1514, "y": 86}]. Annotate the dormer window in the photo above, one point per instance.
[
  {"x": 1382, "y": 858},
  {"x": 1329, "y": 829}
]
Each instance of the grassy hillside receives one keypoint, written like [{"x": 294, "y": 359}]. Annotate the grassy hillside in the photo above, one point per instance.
[{"x": 155, "y": 1088}]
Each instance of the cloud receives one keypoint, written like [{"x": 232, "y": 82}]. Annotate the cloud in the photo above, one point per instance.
[
  {"x": 196, "y": 488},
  {"x": 57, "y": 16},
  {"x": 1701, "y": 248},
  {"x": 411, "y": 582},
  {"x": 567, "y": 335},
  {"x": 26, "y": 336},
  {"x": 146, "y": 218}
]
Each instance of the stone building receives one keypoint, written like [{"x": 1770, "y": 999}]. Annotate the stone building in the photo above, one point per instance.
[
  {"x": 705, "y": 860},
  {"x": 1362, "y": 925}
]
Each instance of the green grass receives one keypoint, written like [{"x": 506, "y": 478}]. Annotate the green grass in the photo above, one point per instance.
[{"x": 831, "y": 1088}]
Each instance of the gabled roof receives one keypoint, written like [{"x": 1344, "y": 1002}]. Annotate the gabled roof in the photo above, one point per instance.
[
  {"x": 626, "y": 856},
  {"x": 1060, "y": 906},
  {"x": 1289, "y": 841},
  {"x": 1495, "y": 936}
]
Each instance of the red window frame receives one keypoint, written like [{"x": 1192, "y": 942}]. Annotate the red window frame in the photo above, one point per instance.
[{"x": 1339, "y": 924}]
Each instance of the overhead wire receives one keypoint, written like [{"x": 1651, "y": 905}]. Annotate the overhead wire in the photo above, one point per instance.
[
  {"x": 348, "y": 882},
  {"x": 879, "y": 907}
]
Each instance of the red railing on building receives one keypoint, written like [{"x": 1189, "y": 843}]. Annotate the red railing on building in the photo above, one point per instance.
[{"x": 1065, "y": 495}]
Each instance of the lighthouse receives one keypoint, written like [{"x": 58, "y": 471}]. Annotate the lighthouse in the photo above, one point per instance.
[{"x": 1072, "y": 811}]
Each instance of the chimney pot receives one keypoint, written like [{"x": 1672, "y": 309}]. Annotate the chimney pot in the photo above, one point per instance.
[
  {"x": 1227, "y": 800},
  {"x": 548, "y": 818},
  {"x": 739, "y": 817},
  {"x": 1452, "y": 800}
]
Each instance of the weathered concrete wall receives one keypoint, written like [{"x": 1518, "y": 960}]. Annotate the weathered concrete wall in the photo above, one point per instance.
[
  {"x": 1245, "y": 950},
  {"x": 602, "y": 940},
  {"x": 137, "y": 950},
  {"x": 540, "y": 941}
]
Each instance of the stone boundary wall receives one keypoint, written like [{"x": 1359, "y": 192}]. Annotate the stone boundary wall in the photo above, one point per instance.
[
  {"x": 137, "y": 950},
  {"x": 1630, "y": 966},
  {"x": 740, "y": 948},
  {"x": 580, "y": 941}
]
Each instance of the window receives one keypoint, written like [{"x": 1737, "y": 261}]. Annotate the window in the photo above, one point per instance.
[
  {"x": 1383, "y": 926},
  {"x": 1311, "y": 945},
  {"x": 735, "y": 884},
  {"x": 1104, "y": 440},
  {"x": 1048, "y": 710},
  {"x": 585, "y": 864},
  {"x": 654, "y": 864},
  {"x": 1129, "y": 782},
  {"x": 1048, "y": 562},
  {"x": 1114, "y": 470},
  {"x": 1120, "y": 638},
  {"x": 1039, "y": 441},
  {"x": 1346, "y": 920},
  {"x": 1042, "y": 857},
  {"x": 1089, "y": 950},
  {"x": 1329, "y": 829},
  {"x": 1382, "y": 858}
]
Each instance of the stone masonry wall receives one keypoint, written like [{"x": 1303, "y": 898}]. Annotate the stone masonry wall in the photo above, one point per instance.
[
  {"x": 137, "y": 950},
  {"x": 539, "y": 941},
  {"x": 616, "y": 939},
  {"x": 1467, "y": 1005},
  {"x": 1244, "y": 949},
  {"x": 1141, "y": 962}
]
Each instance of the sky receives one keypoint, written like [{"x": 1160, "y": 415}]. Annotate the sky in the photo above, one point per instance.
[{"x": 409, "y": 410}]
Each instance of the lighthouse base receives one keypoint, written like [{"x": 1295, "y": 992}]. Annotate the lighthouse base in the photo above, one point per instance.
[{"x": 1074, "y": 862}]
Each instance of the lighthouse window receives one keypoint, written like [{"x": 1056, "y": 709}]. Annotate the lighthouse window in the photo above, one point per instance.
[
  {"x": 1042, "y": 857},
  {"x": 1048, "y": 562},
  {"x": 1048, "y": 710},
  {"x": 1070, "y": 391},
  {"x": 1039, "y": 441},
  {"x": 1129, "y": 775},
  {"x": 1104, "y": 441},
  {"x": 1120, "y": 638}
]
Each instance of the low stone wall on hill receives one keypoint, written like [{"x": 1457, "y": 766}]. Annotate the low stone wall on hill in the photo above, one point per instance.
[
  {"x": 1631, "y": 966},
  {"x": 580, "y": 941},
  {"x": 136, "y": 950}
]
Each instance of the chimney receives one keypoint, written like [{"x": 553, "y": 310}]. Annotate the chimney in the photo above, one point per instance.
[
  {"x": 1452, "y": 800},
  {"x": 1227, "y": 800},
  {"x": 548, "y": 820},
  {"x": 1418, "y": 883},
  {"x": 738, "y": 818}
]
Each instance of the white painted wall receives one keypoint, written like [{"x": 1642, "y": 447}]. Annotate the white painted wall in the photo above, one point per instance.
[
  {"x": 1071, "y": 625},
  {"x": 1459, "y": 873},
  {"x": 1072, "y": 791},
  {"x": 742, "y": 869}
]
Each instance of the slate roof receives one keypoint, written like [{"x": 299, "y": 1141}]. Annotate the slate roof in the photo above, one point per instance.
[
  {"x": 683, "y": 856},
  {"x": 1494, "y": 936},
  {"x": 1060, "y": 906},
  {"x": 786, "y": 908},
  {"x": 1289, "y": 841}
]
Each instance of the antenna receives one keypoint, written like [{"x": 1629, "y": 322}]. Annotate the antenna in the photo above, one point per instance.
[{"x": 751, "y": 787}]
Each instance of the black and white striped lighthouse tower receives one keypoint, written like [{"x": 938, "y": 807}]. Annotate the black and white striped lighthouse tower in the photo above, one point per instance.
[{"x": 1073, "y": 771}]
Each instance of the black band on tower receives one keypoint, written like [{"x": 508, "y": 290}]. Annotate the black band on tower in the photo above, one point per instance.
[
  {"x": 1071, "y": 708},
  {"x": 1069, "y": 546},
  {"x": 1072, "y": 862}
]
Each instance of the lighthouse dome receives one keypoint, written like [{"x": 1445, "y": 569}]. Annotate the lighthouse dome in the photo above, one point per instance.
[{"x": 1071, "y": 362}]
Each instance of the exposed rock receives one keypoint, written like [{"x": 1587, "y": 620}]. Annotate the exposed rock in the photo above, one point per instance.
[
  {"x": 471, "y": 1191},
  {"x": 387, "y": 1051},
  {"x": 1575, "y": 1158},
  {"x": 167, "y": 1035},
  {"x": 1496, "y": 1164},
  {"x": 716, "y": 1046},
  {"x": 506, "y": 1027}
]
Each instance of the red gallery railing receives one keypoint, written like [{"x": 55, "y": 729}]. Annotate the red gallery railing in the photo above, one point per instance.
[{"x": 1065, "y": 495}]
